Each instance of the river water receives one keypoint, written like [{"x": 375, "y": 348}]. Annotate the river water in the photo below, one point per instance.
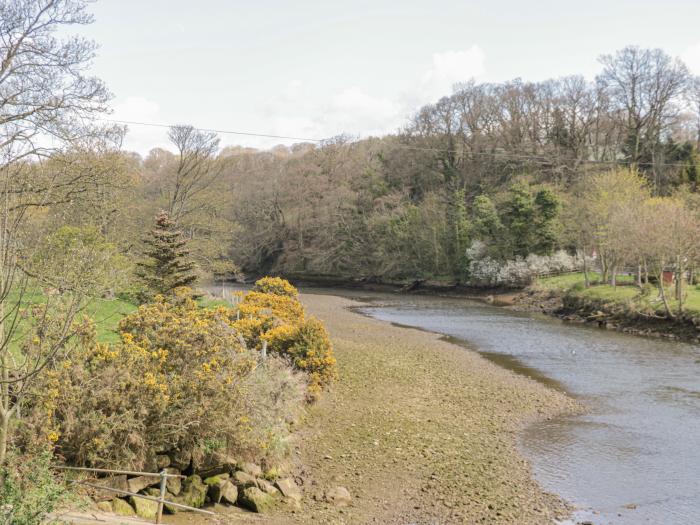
[{"x": 634, "y": 456}]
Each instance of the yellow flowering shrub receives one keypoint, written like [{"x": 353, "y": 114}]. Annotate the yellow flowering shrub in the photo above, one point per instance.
[
  {"x": 275, "y": 286},
  {"x": 277, "y": 316},
  {"x": 180, "y": 380}
]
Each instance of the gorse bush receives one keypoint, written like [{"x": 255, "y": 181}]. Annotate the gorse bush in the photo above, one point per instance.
[
  {"x": 184, "y": 380},
  {"x": 280, "y": 320},
  {"x": 275, "y": 286}
]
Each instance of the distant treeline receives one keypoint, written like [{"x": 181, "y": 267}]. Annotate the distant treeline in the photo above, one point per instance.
[{"x": 503, "y": 164}]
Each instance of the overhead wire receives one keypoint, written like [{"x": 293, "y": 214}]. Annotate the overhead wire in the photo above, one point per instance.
[{"x": 534, "y": 158}]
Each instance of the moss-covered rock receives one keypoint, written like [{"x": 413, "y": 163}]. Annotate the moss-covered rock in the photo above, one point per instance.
[
  {"x": 122, "y": 507},
  {"x": 194, "y": 492},
  {"x": 252, "y": 498},
  {"x": 145, "y": 508}
]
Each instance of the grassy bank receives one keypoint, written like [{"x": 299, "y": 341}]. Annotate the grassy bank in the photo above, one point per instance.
[
  {"x": 625, "y": 306},
  {"x": 419, "y": 431}
]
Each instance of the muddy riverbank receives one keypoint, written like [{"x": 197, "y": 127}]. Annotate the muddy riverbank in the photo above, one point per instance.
[{"x": 420, "y": 430}]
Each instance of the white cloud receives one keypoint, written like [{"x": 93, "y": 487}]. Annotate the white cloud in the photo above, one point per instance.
[
  {"x": 449, "y": 68},
  {"x": 295, "y": 112},
  {"x": 691, "y": 57}
]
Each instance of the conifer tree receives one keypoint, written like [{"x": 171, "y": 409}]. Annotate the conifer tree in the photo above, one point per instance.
[{"x": 167, "y": 263}]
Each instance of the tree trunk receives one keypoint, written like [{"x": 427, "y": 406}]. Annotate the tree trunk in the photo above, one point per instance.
[
  {"x": 662, "y": 294},
  {"x": 586, "y": 280},
  {"x": 639, "y": 276},
  {"x": 613, "y": 275}
]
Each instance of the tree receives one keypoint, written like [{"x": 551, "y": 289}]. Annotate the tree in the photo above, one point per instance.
[
  {"x": 546, "y": 234},
  {"x": 45, "y": 101},
  {"x": 644, "y": 87},
  {"x": 167, "y": 265},
  {"x": 196, "y": 169}
]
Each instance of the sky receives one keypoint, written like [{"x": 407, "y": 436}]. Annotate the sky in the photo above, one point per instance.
[{"x": 319, "y": 68}]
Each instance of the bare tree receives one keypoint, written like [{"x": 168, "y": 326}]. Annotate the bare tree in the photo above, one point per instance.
[
  {"x": 644, "y": 87},
  {"x": 196, "y": 169},
  {"x": 45, "y": 99}
]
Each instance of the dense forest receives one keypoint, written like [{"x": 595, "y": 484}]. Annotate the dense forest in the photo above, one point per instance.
[{"x": 497, "y": 171}]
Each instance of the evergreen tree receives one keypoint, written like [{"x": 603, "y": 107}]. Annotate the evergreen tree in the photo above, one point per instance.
[{"x": 167, "y": 263}]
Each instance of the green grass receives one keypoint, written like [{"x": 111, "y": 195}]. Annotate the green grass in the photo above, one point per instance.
[
  {"x": 567, "y": 281},
  {"x": 625, "y": 293},
  {"x": 107, "y": 313}
]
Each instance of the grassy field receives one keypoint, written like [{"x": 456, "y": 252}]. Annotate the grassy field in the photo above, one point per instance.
[
  {"x": 626, "y": 292},
  {"x": 105, "y": 312}
]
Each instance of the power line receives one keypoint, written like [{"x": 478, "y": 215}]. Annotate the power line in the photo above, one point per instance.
[
  {"x": 222, "y": 131},
  {"x": 535, "y": 158}
]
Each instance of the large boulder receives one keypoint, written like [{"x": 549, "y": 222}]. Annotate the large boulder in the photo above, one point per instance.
[
  {"x": 215, "y": 483},
  {"x": 289, "y": 489},
  {"x": 267, "y": 487},
  {"x": 122, "y": 507},
  {"x": 145, "y": 508},
  {"x": 243, "y": 479},
  {"x": 225, "y": 492},
  {"x": 252, "y": 498},
  {"x": 193, "y": 493},
  {"x": 338, "y": 496},
  {"x": 105, "y": 506},
  {"x": 162, "y": 461},
  {"x": 139, "y": 483},
  {"x": 216, "y": 463},
  {"x": 115, "y": 482},
  {"x": 180, "y": 459},
  {"x": 173, "y": 485}
]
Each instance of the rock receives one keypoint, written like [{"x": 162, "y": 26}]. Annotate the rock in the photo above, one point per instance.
[
  {"x": 104, "y": 506},
  {"x": 173, "y": 485},
  {"x": 145, "y": 508},
  {"x": 139, "y": 483},
  {"x": 267, "y": 487},
  {"x": 243, "y": 480},
  {"x": 216, "y": 463},
  {"x": 338, "y": 496},
  {"x": 288, "y": 488},
  {"x": 226, "y": 492},
  {"x": 252, "y": 498},
  {"x": 194, "y": 492},
  {"x": 216, "y": 480},
  {"x": 251, "y": 468},
  {"x": 115, "y": 482},
  {"x": 122, "y": 507},
  {"x": 162, "y": 461}
]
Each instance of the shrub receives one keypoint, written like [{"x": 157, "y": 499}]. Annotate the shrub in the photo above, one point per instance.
[
  {"x": 280, "y": 320},
  {"x": 180, "y": 379},
  {"x": 308, "y": 346},
  {"x": 275, "y": 286},
  {"x": 29, "y": 490}
]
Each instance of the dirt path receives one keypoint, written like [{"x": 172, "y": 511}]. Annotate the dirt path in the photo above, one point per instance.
[{"x": 420, "y": 431}]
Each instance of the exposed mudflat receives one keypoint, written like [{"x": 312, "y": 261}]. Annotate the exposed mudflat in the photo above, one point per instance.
[{"x": 419, "y": 431}]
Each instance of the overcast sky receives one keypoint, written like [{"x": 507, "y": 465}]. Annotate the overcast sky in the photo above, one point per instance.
[{"x": 318, "y": 68}]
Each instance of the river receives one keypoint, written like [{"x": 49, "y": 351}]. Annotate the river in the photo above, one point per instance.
[{"x": 634, "y": 456}]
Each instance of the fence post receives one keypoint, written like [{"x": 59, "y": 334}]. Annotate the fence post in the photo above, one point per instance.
[
  {"x": 161, "y": 499},
  {"x": 264, "y": 351}
]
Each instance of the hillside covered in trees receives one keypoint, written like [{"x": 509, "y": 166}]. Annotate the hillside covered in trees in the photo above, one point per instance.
[{"x": 488, "y": 174}]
